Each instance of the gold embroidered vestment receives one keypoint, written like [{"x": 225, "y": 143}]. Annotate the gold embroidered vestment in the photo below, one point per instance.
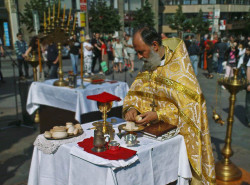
[{"x": 176, "y": 91}]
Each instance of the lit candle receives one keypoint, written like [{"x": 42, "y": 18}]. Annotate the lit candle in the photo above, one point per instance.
[
  {"x": 59, "y": 7},
  {"x": 44, "y": 21},
  {"x": 54, "y": 12},
  {"x": 39, "y": 56},
  {"x": 64, "y": 12},
  {"x": 69, "y": 16},
  {"x": 49, "y": 16},
  {"x": 81, "y": 60},
  {"x": 74, "y": 25}
]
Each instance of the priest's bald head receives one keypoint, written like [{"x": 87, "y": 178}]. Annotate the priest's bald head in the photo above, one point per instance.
[{"x": 147, "y": 43}]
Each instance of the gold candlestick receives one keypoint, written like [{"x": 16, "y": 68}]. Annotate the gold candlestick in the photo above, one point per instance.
[
  {"x": 225, "y": 169},
  {"x": 61, "y": 82},
  {"x": 58, "y": 11},
  {"x": 44, "y": 24},
  {"x": 48, "y": 29},
  {"x": 53, "y": 22},
  {"x": 67, "y": 29},
  {"x": 62, "y": 25},
  {"x": 74, "y": 26}
]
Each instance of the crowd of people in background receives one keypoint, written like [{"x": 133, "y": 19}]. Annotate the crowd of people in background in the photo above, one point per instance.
[
  {"x": 219, "y": 55},
  {"x": 222, "y": 56}
]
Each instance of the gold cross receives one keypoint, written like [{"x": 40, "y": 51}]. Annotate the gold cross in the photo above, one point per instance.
[{"x": 153, "y": 105}]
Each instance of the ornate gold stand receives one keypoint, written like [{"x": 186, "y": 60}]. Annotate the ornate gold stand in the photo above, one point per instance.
[
  {"x": 33, "y": 61},
  {"x": 225, "y": 169},
  {"x": 61, "y": 82}
]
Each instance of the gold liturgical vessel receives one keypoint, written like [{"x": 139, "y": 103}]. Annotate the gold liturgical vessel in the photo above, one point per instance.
[
  {"x": 225, "y": 169},
  {"x": 107, "y": 127}
]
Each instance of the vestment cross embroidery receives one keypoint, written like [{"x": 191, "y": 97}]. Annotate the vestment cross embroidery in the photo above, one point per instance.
[{"x": 153, "y": 105}]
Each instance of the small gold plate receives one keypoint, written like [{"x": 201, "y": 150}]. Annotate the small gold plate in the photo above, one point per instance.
[{"x": 123, "y": 127}]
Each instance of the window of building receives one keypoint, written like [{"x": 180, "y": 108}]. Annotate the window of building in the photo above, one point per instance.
[
  {"x": 186, "y": 1},
  {"x": 194, "y": 1},
  {"x": 212, "y": 1},
  {"x": 167, "y": 2},
  {"x": 204, "y": 1}
]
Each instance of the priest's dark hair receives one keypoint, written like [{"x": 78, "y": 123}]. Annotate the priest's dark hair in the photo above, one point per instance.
[{"x": 148, "y": 34}]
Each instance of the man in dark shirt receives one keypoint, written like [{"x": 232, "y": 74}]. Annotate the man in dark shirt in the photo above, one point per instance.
[
  {"x": 194, "y": 52},
  {"x": 221, "y": 48},
  {"x": 97, "y": 52},
  {"x": 21, "y": 47},
  {"x": 187, "y": 41},
  {"x": 53, "y": 59}
]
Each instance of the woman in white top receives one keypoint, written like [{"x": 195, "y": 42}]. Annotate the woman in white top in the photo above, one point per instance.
[
  {"x": 118, "y": 52},
  {"x": 241, "y": 54},
  {"x": 88, "y": 55}
]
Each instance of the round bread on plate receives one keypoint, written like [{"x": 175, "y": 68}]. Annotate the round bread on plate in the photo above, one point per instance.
[{"x": 59, "y": 129}]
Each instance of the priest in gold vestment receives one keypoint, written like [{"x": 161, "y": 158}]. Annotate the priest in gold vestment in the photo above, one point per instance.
[{"x": 167, "y": 89}]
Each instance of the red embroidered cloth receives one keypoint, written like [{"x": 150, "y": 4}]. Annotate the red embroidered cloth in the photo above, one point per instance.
[
  {"x": 122, "y": 153},
  {"x": 104, "y": 97}
]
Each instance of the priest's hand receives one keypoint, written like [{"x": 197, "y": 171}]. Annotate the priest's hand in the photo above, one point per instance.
[
  {"x": 131, "y": 114},
  {"x": 148, "y": 117}
]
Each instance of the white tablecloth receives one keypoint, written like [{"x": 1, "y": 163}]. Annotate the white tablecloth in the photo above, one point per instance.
[
  {"x": 160, "y": 162},
  {"x": 44, "y": 93}
]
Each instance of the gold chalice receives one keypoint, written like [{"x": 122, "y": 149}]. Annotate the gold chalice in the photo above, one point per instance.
[{"x": 104, "y": 109}]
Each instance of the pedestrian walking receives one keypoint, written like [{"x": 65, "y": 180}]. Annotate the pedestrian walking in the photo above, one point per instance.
[
  {"x": 130, "y": 51},
  {"x": 194, "y": 52},
  {"x": 74, "y": 53},
  {"x": 53, "y": 59},
  {"x": 231, "y": 56},
  {"x": 21, "y": 47},
  {"x": 88, "y": 56},
  {"x": 97, "y": 52},
  {"x": 118, "y": 52}
]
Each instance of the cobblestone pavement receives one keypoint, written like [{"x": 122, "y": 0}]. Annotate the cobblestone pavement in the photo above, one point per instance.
[{"x": 17, "y": 142}]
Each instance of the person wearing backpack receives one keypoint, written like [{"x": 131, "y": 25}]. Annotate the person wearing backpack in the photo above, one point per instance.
[{"x": 21, "y": 47}]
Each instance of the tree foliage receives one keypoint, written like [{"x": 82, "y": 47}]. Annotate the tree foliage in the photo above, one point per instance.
[
  {"x": 247, "y": 25},
  {"x": 179, "y": 21},
  {"x": 27, "y": 16},
  {"x": 199, "y": 25},
  {"x": 145, "y": 15},
  {"x": 103, "y": 19}
]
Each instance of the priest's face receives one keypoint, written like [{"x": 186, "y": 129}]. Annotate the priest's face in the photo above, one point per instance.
[{"x": 146, "y": 53}]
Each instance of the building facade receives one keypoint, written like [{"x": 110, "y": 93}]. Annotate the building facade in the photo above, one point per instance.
[{"x": 225, "y": 16}]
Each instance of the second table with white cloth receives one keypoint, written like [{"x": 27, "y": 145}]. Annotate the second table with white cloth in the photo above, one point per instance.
[
  {"x": 44, "y": 93},
  {"x": 156, "y": 163}
]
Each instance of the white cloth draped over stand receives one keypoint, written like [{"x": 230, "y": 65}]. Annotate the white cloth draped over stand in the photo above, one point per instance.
[{"x": 44, "y": 93}]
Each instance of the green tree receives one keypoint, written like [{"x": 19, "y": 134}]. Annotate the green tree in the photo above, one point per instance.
[
  {"x": 145, "y": 15},
  {"x": 103, "y": 19},
  {"x": 199, "y": 24},
  {"x": 247, "y": 23},
  {"x": 27, "y": 16},
  {"x": 179, "y": 22}
]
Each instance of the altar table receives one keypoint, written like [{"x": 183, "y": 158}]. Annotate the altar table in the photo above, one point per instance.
[
  {"x": 159, "y": 163},
  {"x": 69, "y": 103}
]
